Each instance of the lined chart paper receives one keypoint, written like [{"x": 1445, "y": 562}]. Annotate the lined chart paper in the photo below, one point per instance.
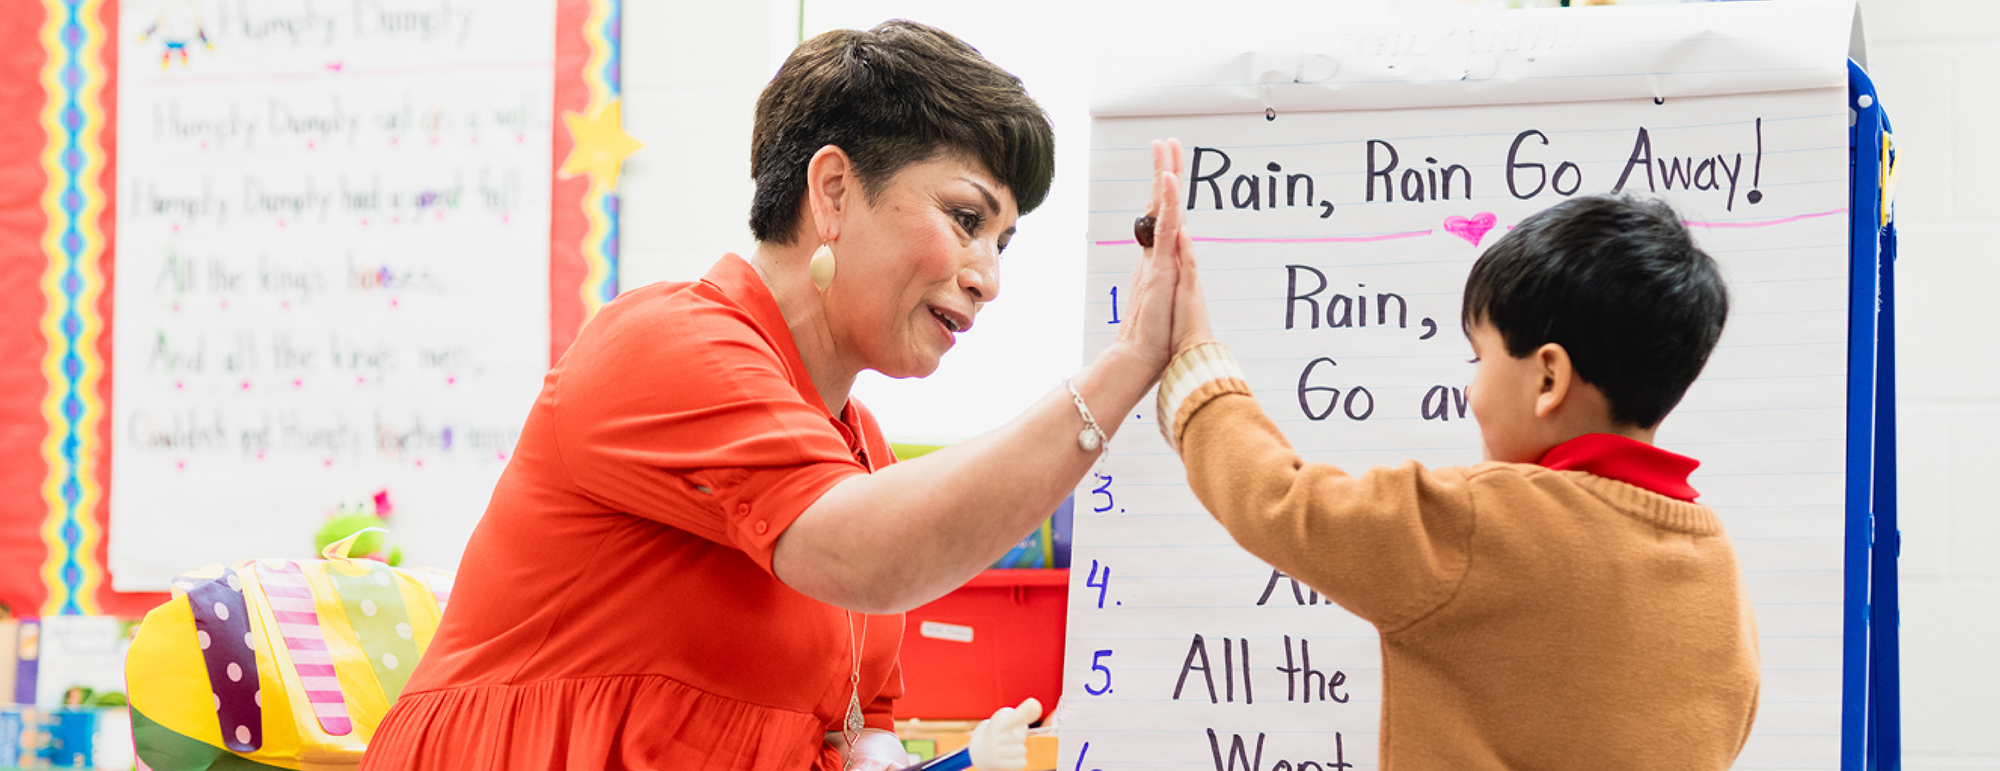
[
  {"x": 333, "y": 262},
  {"x": 1338, "y": 198}
]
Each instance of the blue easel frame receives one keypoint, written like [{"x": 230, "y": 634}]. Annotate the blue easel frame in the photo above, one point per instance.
[{"x": 1871, "y": 710}]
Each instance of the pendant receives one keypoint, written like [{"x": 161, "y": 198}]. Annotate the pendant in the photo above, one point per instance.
[
  {"x": 854, "y": 722},
  {"x": 1087, "y": 440}
]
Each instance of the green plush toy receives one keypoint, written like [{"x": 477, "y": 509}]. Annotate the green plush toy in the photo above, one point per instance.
[{"x": 349, "y": 520}]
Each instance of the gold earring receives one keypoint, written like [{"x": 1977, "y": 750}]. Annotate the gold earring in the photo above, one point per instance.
[{"x": 821, "y": 267}]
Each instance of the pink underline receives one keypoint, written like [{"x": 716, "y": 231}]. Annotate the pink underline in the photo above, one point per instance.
[
  {"x": 1415, "y": 233},
  {"x": 1321, "y": 240},
  {"x": 1765, "y": 223}
]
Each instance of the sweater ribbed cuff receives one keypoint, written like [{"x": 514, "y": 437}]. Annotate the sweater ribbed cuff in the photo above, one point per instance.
[{"x": 1196, "y": 376}]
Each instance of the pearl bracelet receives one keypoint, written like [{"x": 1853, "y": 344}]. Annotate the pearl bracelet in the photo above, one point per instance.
[{"x": 1092, "y": 437}]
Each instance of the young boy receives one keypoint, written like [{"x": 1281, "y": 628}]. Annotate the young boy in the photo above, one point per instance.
[{"x": 1567, "y": 603}]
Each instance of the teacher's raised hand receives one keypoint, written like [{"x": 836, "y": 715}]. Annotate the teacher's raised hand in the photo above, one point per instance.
[
  {"x": 1169, "y": 247},
  {"x": 1148, "y": 327}
]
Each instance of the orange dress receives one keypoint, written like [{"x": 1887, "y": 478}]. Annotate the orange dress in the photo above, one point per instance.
[{"x": 616, "y": 607}]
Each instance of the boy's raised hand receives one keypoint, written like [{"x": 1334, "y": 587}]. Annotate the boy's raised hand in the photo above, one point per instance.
[{"x": 1172, "y": 242}]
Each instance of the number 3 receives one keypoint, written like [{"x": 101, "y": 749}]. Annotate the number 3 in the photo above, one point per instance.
[{"x": 1104, "y": 490}]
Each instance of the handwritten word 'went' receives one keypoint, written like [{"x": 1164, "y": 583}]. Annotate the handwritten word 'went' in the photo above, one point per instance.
[{"x": 1239, "y": 756}]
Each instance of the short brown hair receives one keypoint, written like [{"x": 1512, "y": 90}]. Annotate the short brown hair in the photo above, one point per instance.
[{"x": 898, "y": 94}]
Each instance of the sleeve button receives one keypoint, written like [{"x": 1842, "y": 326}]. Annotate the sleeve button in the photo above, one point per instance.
[{"x": 763, "y": 527}]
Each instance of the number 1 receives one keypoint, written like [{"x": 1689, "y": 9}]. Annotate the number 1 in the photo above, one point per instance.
[{"x": 1114, "y": 306}]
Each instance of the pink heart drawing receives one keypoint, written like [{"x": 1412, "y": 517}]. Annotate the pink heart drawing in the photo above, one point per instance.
[
  {"x": 1473, "y": 229},
  {"x": 335, "y": 66}
]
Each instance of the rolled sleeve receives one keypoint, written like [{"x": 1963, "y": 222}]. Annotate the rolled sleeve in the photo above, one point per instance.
[{"x": 705, "y": 431}]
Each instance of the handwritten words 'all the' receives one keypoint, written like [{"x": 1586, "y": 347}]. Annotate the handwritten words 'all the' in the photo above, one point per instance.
[
  {"x": 1303, "y": 683},
  {"x": 1220, "y": 672}
]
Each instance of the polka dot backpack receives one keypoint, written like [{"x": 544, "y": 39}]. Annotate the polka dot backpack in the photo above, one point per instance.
[{"x": 283, "y": 663}]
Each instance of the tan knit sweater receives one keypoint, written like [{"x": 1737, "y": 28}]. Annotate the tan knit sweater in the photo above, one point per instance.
[{"x": 1529, "y": 618}]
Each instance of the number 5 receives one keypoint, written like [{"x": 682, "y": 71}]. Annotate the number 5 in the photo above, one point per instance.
[{"x": 1097, "y": 665}]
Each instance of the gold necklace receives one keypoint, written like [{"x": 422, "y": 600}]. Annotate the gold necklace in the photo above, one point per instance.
[{"x": 851, "y": 727}]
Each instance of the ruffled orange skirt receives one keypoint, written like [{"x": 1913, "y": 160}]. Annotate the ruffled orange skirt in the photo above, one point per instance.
[{"x": 626, "y": 721}]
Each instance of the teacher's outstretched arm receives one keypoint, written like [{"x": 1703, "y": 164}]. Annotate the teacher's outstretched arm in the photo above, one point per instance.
[{"x": 900, "y": 537}]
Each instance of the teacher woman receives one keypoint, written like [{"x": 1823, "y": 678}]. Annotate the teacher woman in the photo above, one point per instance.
[{"x": 699, "y": 555}]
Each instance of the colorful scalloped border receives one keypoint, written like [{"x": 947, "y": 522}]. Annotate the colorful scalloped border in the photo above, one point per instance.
[
  {"x": 74, "y": 158},
  {"x": 600, "y": 205}
]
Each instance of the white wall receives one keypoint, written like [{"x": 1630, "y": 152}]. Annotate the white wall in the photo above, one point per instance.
[
  {"x": 1934, "y": 62},
  {"x": 693, "y": 70},
  {"x": 691, "y": 74}
]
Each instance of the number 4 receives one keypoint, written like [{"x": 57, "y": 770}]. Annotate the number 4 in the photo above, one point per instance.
[{"x": 1100, "y": 584}]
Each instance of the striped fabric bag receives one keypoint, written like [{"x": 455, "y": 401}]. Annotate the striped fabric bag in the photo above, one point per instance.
[{"x": 281, "y": 663}]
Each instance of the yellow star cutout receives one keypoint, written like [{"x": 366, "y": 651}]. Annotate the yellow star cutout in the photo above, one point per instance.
[{"x": 600, "y": 145}]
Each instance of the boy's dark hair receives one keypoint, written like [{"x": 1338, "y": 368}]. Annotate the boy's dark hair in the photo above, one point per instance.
[
  {"x": 898, "y": 94},
  {"x": 1618, "y": 282}
]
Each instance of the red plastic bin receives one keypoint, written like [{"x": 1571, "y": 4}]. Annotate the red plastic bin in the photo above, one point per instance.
[{"x": 990, "y": 644}]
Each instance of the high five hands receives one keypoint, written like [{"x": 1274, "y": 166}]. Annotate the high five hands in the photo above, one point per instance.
[{"x": 1168, "y": 294}]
